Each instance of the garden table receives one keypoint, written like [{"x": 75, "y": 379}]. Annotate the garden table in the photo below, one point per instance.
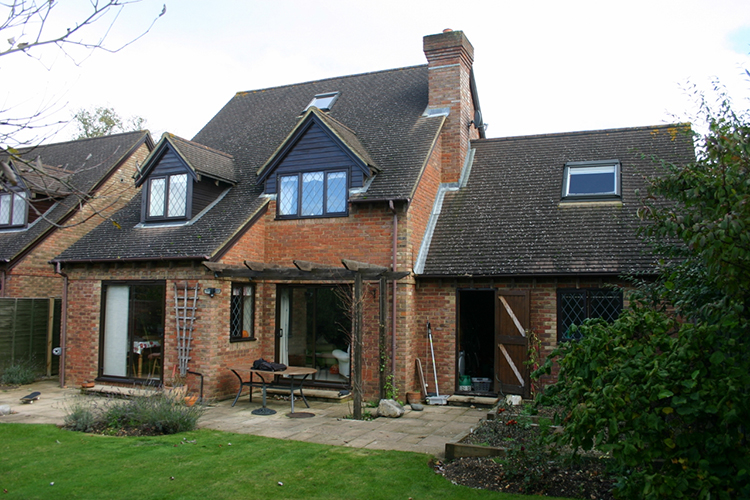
[{"x": 267, "y": 379}]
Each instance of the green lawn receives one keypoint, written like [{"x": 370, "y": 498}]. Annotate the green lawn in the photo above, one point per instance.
[{"x": 203, "y": 465}]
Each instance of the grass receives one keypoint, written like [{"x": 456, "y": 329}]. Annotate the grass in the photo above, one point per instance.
[{"x": 203, "y": 464}]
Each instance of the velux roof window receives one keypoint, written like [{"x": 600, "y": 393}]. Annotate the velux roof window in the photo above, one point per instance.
[
  {"x": 323, "y": 102},
  {"x": 591, "y": 180}
]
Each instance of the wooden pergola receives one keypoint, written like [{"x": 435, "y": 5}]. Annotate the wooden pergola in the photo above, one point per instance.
[{"x": 352, "y": 271}]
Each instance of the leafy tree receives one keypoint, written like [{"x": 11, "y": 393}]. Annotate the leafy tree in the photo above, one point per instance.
[
  {"x": 104, "y": 121},
  {"x": 664, "y": 389}
]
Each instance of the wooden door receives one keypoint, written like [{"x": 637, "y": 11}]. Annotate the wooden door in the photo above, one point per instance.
[{"x": 511, "y": 343}]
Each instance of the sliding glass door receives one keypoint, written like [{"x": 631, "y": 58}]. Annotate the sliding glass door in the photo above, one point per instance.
[{"x": 132, "y": 336}]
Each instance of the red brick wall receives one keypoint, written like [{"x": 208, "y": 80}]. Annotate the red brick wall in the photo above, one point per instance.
[
  {"x": 211, "y": 352},
  {"x": 450, "y": 57},
  {"x": 436, "y": 302},
  {"x": 33, "y": 276}
]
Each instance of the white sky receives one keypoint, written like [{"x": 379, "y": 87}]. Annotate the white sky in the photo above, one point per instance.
[{"x": 540, "y": 67}]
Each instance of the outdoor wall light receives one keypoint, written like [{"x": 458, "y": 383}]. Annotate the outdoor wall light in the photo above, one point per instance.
[{"x": 212, "y": 291}]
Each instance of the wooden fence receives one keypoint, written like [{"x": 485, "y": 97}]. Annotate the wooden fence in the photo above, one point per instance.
[{"x": 29, "y": 331}]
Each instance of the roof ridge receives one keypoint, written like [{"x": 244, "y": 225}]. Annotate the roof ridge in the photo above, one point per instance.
[
  {"x": 584, "y": 132},
  {"x": 253, "y": 91}
]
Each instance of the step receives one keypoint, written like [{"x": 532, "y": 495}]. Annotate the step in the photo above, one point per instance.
[
  {"x": 328, "y": 395},
  {"x": 465, "y": 400}
]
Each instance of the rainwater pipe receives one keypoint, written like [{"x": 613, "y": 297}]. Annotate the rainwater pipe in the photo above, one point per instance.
[
  {"x": 2, "y": 283},
  {"x": 395, "y": 285},
  {"x": 63, "y": 321}
]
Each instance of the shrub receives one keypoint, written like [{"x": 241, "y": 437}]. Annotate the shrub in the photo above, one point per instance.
[
  {"x": 161, "y": 413},
  {"x": 82, "y": 416},
  {"x": 664, "y": 389},
  {"x": 20, "y": 372}
]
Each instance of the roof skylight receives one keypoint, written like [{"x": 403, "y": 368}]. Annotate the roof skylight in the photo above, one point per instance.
[{"x": 324, "y": 102}]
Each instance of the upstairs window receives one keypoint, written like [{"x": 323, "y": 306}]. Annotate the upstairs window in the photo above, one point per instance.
[
  {"x": 575, "y": 305},
  {"x": 323, "y": 102},
  {"x": 591, "y": 180},
  {"x": 313, "y": 194},
  {"x": 242, "y": 313},
  {"x": 167, "y": 197},
  {"x": 12, "y": 209}
]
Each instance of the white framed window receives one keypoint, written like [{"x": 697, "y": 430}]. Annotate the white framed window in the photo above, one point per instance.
[
  {"x": 13, "y": 209},
  {"x": 313, "y": 194},
  {"x": 591, "y": 180},
  {"x": 168, "y": 197}
]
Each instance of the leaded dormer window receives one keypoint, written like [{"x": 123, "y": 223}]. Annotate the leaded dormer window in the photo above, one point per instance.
[
  {"x": 313, "y": 194},
  {"x": 13, "y": 209},
  {"x": 168, "y": 197}
]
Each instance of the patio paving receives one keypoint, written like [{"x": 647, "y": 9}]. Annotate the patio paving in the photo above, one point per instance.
[{"x": 419, "y": 431}]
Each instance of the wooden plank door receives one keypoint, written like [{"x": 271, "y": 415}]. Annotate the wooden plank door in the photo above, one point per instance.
[{"x": 511, "y": 343}]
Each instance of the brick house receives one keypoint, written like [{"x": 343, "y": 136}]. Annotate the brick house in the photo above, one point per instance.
[
  {"x": 260, "y": 223},
  {"x": 42, "y": 215}
]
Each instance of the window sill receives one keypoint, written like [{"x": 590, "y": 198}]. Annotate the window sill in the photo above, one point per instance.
[
  {"x": 589, "y": 203},
  {"x": 248, "y": 339}
]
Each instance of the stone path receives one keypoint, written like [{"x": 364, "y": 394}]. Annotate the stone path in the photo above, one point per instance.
[{"x": 419, "y": 431}]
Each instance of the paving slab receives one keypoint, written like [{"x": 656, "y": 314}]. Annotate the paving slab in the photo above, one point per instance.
[{"x": 424, "y": 431}]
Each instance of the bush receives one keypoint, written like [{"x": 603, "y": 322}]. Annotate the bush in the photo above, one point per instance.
[
  {"x": 665, "y": 388},
  {"x": 20, "y": 372},
  {"x": 161, "y": 413}
]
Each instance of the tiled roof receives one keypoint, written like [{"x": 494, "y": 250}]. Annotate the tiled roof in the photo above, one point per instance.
[
  {"x": 85, "y": 162},
  {"x": 508, "y": 219},
  {"x": 384, "y": 109},
  {"x": 205, "y": 160}
]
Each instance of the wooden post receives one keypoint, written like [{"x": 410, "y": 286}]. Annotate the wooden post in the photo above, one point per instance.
[
  {"x": 357, "y": 386},
  {"x": 50, "y": 328}
]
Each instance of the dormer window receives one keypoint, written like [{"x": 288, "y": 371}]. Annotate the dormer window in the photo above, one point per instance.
[
  {"x": 323, "y": 102},
  {"x": 12, "y": 209},
  {"x": 313, "y": 194},
  {"x": 168, "y": 197},
  {"x": 591, "y": 180}
]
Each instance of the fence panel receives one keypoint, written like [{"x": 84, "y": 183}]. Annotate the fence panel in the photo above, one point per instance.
[{"x": 24, "y": 325}]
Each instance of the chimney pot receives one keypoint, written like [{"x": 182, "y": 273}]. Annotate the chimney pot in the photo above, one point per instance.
[{"x": 447, "y": 30}]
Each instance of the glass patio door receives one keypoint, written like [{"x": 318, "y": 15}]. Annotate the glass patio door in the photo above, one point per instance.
[
  {"x": 132, "y": 337},
  {"x": 313, "y": 322}
]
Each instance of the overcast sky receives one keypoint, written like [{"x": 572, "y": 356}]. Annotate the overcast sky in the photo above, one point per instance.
[{"x": 540, "y": 67}]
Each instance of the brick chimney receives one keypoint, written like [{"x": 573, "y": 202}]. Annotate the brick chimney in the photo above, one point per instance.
[{"x": 450, "y": 56}]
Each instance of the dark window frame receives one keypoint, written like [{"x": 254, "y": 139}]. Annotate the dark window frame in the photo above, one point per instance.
[
  {"x": 573, "y": 166},
  {"x": 589, "y": 310},
  {"x": 165, "y": 217},
  {"x": 12, "y": 195},
  {"x": 325, "y": 213},
  {"x": 237, "y": 307}
]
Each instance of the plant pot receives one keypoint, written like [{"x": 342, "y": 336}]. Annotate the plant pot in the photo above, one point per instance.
[
  {"x": 87, "y": 385},
  {"x": 413, "y": 397},
  {"x": 191, "y": 400}
]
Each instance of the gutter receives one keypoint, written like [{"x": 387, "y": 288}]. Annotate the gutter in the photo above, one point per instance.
[
  {"x": 63, "y": 322},
  {"x": 130, "y": 259}
]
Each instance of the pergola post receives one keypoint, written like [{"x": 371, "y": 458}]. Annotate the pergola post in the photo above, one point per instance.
[{"x": 358, "y": 346}]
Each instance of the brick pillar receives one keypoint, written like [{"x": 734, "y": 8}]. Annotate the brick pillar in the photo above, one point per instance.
[{"x": 450, "y": 56}]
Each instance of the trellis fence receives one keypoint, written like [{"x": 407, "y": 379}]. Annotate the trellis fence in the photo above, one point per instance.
[{"x": 29, "y": 331}]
